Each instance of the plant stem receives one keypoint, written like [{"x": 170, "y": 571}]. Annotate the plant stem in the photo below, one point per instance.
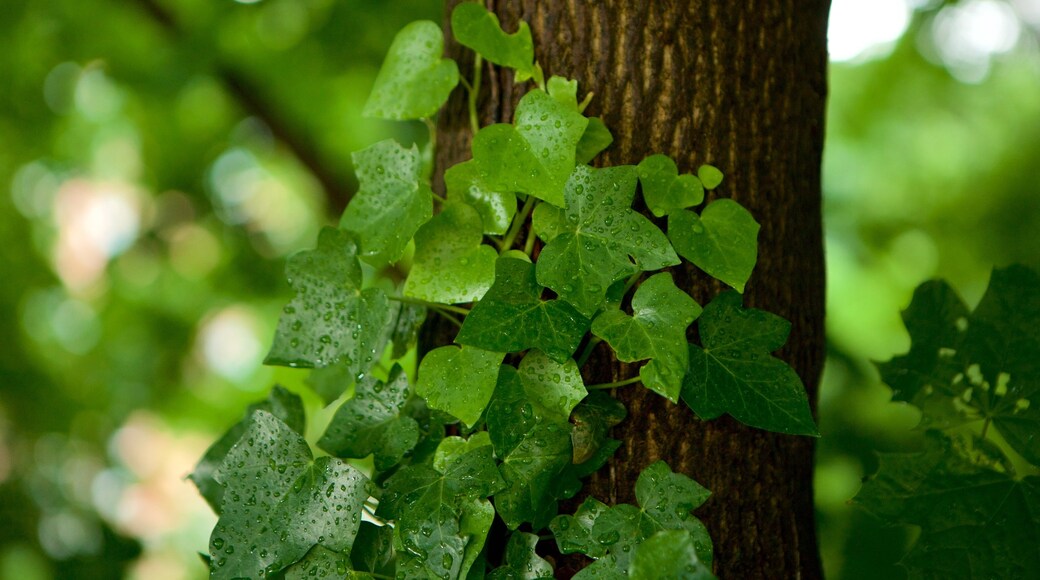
[
  {"x": 518, "y": 222},
  {"x": 585, "y": 354},
  {"x": 529, "y": 243},
  {"x": 614, "y": 384},
  {"x": 632, "y": 282},
  {"x": 985, "y": 428},
  {"x": 447, "y": 315},
  {"x": 438, "y": 198},
  {"x": 474, "y": 91},
  {"x": 434, "y": 305}
]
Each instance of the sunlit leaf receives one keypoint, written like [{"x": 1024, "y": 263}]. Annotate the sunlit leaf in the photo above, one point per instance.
[
  {"x": 477, "y": 28},
  {"x": 414, "y": 81},
  {"x": 496, "y": 208},
  {"x": 664, "y": 189},
  {"x": 710, "y": 176},
  {"x": 451, "y": 265},
  {"x": 459, "y": 381},
  {"x": 722, "y": 241}
]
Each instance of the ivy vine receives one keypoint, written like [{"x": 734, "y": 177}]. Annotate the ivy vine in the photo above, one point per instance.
[{"x": 528, "y": 427}]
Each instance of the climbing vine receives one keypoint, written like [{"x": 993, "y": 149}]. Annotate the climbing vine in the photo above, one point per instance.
[{"x": 499, "y": 426}]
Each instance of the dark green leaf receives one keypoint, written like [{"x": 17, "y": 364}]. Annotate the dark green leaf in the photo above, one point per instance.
[
  {"x": 405, "y": 331},
  {"x": 321, "y": 564},
  {"x": 477, "y": 28},
  {"x": 414, "y": 81},
  {"x": 459, "y": 380},
  {"x": 331, "y": 319},
  {"x": 553, "y": 388},
  {"x": 592, "y": 419},
  {"x": 722, "y": 241},
  {"x": 451, "y": 265},
  {"x": 668, "y": 554},
  {"x": 664, "y": 189},
  {"x": 530, "y": 469},
  {"x": 510, "y": 415},
  {"x": 734, "y": 372},
  {"x": 574, "y": 533},
  {"x": 372, "y": 548},
  {"x": 598, "y": 239},
  {"x": 521, "y": 561}
]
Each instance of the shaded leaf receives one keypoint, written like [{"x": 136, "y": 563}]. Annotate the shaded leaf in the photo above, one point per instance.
[
  {"x": 521, "y": 561},
  {"x": 451, "y": 265},
  {"x": 530, "y": 469},
  {"x": 553, "y": 388},
  {"x": 722, "y": 241},
  {"x": 668, "y": 554},
  {"x": 414, "y": 81},
  {"x": 477, "y": 28},
  {"x": 594, "y": 141},
  {"x": 459, "y": 381}
]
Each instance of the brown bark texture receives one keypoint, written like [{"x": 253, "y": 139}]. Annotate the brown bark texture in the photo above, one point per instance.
[{"x": 742, "y": 86}]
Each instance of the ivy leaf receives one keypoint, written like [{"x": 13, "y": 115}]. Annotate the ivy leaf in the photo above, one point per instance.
[
  {"x": 331, "y": 319},
  {"x": 971, "y": 366},
  {"x": 414, "y": 81},
  {"x": 975, "y": 522},
  {"x": 512, "y": 317},
  {"x": 451, "y": 448},
  {"x": 668, "y": 554},
  {"x": 592, "y": 420},
  {"x": 553, "y": 388},
  {"x": 734, "y": 372},
  {"x": 477, "y": 517},
  {"x": 281, "y": 403},
  {"x": 405, "y": 332},
  {"x": 269, "y": 479},
  {"x": 530, "y": 469},
  {"x": 451, "y": 265},
  {"x": 320, "y": 564},
  {"x": 459, "y": 381},
  {"x": 510, "y": 415},
  {"x": 710, "y": 176},
  {"x": 722, "y": 241},
  {"x": 521, "y": 561},
  {"x": 477, "y": 28},
  {"x": 656, "y": 330},
  {"x": 664, "y": 189},
  {"x": 594, "y": 141},
  {"x": 496, "y": 208},
  {"x": 372, "y": 422},
  {"x": 372, "y": 548},
  {"x": 534, "y": 157},
  {"x": 574, "y": 533},
  {"x": 392, "y": 201},
  {"x": 598, "y": 239}
]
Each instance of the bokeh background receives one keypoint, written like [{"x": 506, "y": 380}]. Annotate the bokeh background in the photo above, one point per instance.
[{"x": 159, "y": 159}]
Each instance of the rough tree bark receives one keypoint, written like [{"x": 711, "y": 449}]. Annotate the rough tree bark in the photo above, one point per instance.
[{"x": 740, "y": 85}]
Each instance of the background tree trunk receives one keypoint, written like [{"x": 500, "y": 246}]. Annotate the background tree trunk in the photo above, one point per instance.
[{"x": 740, "y": 85}]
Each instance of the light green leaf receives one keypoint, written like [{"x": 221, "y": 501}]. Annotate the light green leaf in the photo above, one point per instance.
[
  {"x": 331, "y": 319},
  {"x": 521, "y": 561},
  {"x": 535, "y": 156},
  {"x": 513, "y": 317},
  {"x": 593, "y": 141},
  {"x": 459, "y": 381},
  {"x": 451, "y": 265},
  {"x": 565, "y": 91},
  {"x": 734, "y": 372},
  {"x": 477, "y": 28},
  {"x": 392, "y": 201},
  {"x": 372, "y": 422},
  {"x": 321, "y": 564},
  {"x": 553, "y": 388},
  {"x": 710, "y": 176},
  {"x": 531, "y": 469},
  {"x": 414, "y": 81},
  {"x": 664, "y": 189},
  {"x": 477, "y": 516},
  {"x": 722, "y": 241},
  {"x": 574, "y": 533},
  {"x": 657, "y": 330},
  {"x": 451, "y": 448},
  {"x": 668, "y": 554},
  {"x": 598, "y": 239},
  {"x": 496, "y": 208}
]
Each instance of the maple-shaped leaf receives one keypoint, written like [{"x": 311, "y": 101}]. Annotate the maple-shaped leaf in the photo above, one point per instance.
[
  {"x": 734, "y": 373},
  {"x": 668, "y": 554},
  {"x": 521, "y": 560},
  {"x": 477, "y": 28},
  {"x": 975, "y": 522},
  {"x": 513, "y": 317},
  {"x": 656, "y": 330},
  {"x": 664, "y": 189},
  {"x": 536, "y": 155},
  {"x": 722, "y": 240},
  {"x": 451, "y": 265},
  {"x": 977, "y": 366},
  {"x": 428, "y": 507},
  {"x": 459, "y": 381},
  {"x": 496, "y": 208},
  {"x": 598, "y": 239},
  {"x": 392, "y": 201},
  {"x": 372, "y": 422},
  {"x": 331, "y": 319},
  {"x": 414, "y": 81},
  {"x": 611, "y": 534},
  {"x": 269, "y": 479}
]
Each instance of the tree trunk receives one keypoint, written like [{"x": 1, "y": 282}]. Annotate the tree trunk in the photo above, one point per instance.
[{"x": 740, "y": 85}]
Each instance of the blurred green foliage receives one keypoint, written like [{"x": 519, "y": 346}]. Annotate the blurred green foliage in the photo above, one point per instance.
[{"x": 161, "y": 158}]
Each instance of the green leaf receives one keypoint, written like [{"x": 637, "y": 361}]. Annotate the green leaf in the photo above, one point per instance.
[
  {"x": 710, "y": 176},
  {"x": 372, "y": 547},
  {"x": 512, "y": 317},
  {"x": 522, "y": 561},
  {"x": 321, "y": 564},
  {"x": 510, "y": 415},
  {"x": 281, "y": 403},
  {"x": 668, "y": 554},
  {"x": 534, "y": 157},
  {"x": 451, "y": 448},
  {"x": 330, "y": 383},
  {"x": 972, "y": 366},
  {"x": 496, "y": 208},
  {"x": 574, "y": 533},
  {"x": 459, "y": 381},
  {"x": 392, "y": 201},
  {"x": 564, "y": 90},
  {"x": 664, "y": 189},
  {"x": 530, "y": 469},
  {"x": 598, "y": 239},
  {"x": 975, "y": 522},
  {"x": 477, "y": 517},
  {"x": 372, "y": 422},
  {"x": 593, "y": 141},
  {"x": 656, "y": 330},
  {"x": 331, "y": 319},
  {"x": 451, "y": 265},
  {"x": 414, "y": 81},
  {"x": 592, "y": 420},
  {"x": 407, "y": 322},
  {"x": 722, "y": 241},
  {"x": 477, "y": 28},
  {"x": 734, "y": 373},
  {"x": 269, "y": 480},
  {"x": 553, "y": 388}
]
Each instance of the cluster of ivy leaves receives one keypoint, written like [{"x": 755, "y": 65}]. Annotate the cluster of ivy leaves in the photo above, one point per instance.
[
  {"x": 499, "y": 426},
  {"x": 973, "y": 487}
]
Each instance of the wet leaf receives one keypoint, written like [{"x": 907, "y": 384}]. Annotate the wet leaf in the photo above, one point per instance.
[
  {"x": 496, "y": 208},
  {"x": 668, "y": 554},
  {"x": 451, "y": 265},
  {"x": 664, "y": 189},
  {"x": 531, "y": 469},
  {"x": 477, "y": 28},
  {"x": 521, "y": 560},
  {"x": 414, "y": 81},
  {"x": 459, "y": 381},
  {"x": 554, "y": 389},
  {"x": 710, "y": 176},
  {"x": 722, "y": 241}
]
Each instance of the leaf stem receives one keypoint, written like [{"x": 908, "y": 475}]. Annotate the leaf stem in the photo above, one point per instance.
[
  {"x": 434, "y": 305},
  {"x": 529, "y": 243},
  {"x": 632, "y": 282},
  {"x": 446, "y": 314},
  {"x": 585, "y": 354},
  {"x": 614, "y": 384},
  {"x": 438, "y": 198},
  {"x": 518, "y": 222},
  {"x": 985, "y": 428},
  {"x": 474, "y": 91}
]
